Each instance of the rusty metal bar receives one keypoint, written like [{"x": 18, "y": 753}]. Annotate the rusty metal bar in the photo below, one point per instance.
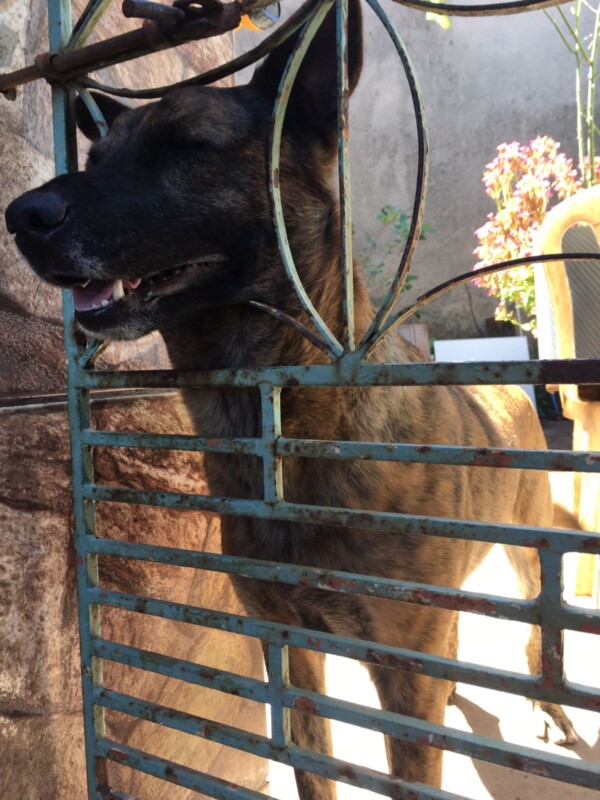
[
  {"x": 58, "y": 67},
  {"x": 271, "y": 430},
  {"x": 362, "y": 650},
  {"x": 499, "y": 458},
  {"x": 580, "y": 773},
  {"x": 168, "y": 771},
  {"x": 279, "y": 680}
]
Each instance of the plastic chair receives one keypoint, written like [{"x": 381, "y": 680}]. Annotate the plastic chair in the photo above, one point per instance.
[{"x": 568, "y": 306}]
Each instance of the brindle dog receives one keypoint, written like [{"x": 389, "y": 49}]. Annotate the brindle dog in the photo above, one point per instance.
[{"x": 169, "y": 228}]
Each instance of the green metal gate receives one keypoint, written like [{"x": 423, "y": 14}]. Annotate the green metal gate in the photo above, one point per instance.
[{"x": 66, "y": 68}]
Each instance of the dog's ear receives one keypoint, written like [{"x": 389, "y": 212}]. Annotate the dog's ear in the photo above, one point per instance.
[
  {"x": 312, "y": 107},
  {"x": 109, "y": 107}
]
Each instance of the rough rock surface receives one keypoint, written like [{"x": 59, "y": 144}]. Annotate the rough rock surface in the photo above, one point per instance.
[{"x": 41, "y": 734}]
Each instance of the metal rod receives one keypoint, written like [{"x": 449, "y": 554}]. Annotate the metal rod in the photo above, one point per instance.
[
  {"x": 566, "y": 541},
  {"x": 481, "y": 9},
  {"x": 169, "y": 771},
  {"x": 466, "y": 277},
  {"x": 283, "y": 32},
  {"x": 86, "y": 23},
  {"x": 343, "y": 93},
  {"x": 342, "y": 582},
  {"x": 159, "y": 12},
  {"x": 271, "y": 431},
  {"x": 358, "y": 649},
  {"x": 57, "y": 67},
  {"x": 284, "y": 90},
  {"x": 414, "y": 231},
  {"x": 348, "y": 373},
  {"x": 509, "y": 458},
  {"x": 279, "y": 681}
]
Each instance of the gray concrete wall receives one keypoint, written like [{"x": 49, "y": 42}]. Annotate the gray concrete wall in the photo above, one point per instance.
[{"x": 484, "y": 81}]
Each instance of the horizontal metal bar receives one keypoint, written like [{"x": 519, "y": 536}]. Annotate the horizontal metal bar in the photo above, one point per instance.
[
  {"x": 23, "y": 405},
  {"x": 484, "y": 748},
  {"x": 173, "y": 773},
  {"x": 370, "y": 652},
  {"x": 166, "y": 441},
  {"x": 332, "y": 580},
  {"x": 349, "y": 372},
  {"x": 188, "y": 671},
  {"x": 552, "y": 460},
  {"x": 385, "y": 722},
  {"x": 509, "y": 458},
  {"x": 149, "y": 38},
  {"x": 554, "y": 539},
  {"x": 327, "y": 766}
]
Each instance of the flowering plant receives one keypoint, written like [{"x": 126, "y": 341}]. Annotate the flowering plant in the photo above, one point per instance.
[{"x": 523, "y": 180}]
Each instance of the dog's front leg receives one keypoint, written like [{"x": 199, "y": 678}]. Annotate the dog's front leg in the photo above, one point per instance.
[{"x": 309, "y": 731}]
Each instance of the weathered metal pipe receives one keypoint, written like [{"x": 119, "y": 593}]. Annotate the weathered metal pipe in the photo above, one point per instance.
[
  {"x": 142, "y": 9},
  {"x": 151, "y": 37}
]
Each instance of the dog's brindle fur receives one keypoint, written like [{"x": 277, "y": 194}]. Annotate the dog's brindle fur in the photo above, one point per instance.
[{"x": 186, "y": 177}]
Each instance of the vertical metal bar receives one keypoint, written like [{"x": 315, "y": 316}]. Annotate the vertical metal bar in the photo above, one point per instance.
[
  {"x": 343, "y": 93},
  {"x": 65, "y": 150},
  {"x": 553, "y": 670},
  {"x": 279, "y": 680},
  {"x": 271, "y": 432}
]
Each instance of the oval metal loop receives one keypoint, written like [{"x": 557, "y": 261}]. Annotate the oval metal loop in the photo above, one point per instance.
[
  {"x": 281, "y": 101},
  {"x": 414, "y": 232}
]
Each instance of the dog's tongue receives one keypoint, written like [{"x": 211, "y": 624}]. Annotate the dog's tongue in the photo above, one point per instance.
[{"x": 92, "y": 295}]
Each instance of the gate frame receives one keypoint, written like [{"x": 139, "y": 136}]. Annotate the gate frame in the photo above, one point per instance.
[{"x": 65, "y": 67}]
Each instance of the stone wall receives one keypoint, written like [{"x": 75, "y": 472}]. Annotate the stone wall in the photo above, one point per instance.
[{"x": 40, "y": 702}]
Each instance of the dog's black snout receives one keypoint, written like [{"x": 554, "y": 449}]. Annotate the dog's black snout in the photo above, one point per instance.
[{"x": 36, "y": 214}]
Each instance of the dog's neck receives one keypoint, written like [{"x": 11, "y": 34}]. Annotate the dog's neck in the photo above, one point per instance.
[{"x": 244, "y": 337}]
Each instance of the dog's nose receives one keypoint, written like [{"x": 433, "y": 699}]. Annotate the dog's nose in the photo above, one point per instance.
[{"x": 36, "y": 214}]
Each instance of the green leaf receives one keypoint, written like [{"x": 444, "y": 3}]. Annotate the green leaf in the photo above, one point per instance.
[{"x": 443, "y": 20}]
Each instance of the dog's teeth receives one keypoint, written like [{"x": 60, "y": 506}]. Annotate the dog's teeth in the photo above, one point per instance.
[
  {"x": 104, "y": 303},
  {"x": 118, "y": 292}
]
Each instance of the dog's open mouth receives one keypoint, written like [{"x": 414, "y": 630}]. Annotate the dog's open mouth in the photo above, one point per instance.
[{"x": 98, "y": 296}]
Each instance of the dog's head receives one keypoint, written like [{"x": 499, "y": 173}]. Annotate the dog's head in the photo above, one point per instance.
[{"x": 171, "y": 215}]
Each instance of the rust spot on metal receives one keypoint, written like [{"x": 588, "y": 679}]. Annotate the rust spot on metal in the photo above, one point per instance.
[
  {"x": 487, "y": 458},
  {"x": 314, "y": 642},
  {"x": 348, "y": 772},
  {"x": 117, "y": 755},
  {"x": 79, "y": 561},
  {"x": 276, "y": 181},
  {"x": 340, "y": 583},
  {"x": 306, "y": 704},
  {"x": 591, "y": 543},
  {"x": 590, "y": 627},
  {"x": 542, "y": 543},
  {"x": 473, "y": 604},
  {"x": 172, "y": 775}
]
